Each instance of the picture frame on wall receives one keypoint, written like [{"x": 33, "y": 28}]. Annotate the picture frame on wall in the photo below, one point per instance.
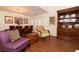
[
  {"x": 18, "y": 20},
  {"x": 25, "y": 20},
  {"x": 8, "y": 19},
  {"x": 52, "y": 20}
]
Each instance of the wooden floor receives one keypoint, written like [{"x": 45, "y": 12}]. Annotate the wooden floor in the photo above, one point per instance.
[{"x": 53, "y": 44}]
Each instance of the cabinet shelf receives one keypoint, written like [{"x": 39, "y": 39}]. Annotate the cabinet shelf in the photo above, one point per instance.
[
  {"x": 69, "y": 18},
  {"x": 68, "y": 22}
]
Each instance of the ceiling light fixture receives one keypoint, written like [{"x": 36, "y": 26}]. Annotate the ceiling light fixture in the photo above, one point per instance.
[{"x": 18, "y": 17}]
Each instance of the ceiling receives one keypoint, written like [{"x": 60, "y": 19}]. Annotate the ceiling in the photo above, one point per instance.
[
  {"x": 32, "y": 10},
  {"x": 26, "y": 10},
  {"x": 55, "y": 8}
]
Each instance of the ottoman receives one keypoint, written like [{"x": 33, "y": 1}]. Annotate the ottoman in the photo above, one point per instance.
[{"x": 33, "y": 37}]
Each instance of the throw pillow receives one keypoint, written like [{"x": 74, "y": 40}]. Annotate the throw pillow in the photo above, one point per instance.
[{"x": 14, "y": 35}]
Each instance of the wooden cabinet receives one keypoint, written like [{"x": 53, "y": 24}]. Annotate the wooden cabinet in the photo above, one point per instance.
[{"x": 68, "y": 24}]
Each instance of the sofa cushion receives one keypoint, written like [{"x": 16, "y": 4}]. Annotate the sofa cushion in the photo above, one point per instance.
[
  {"x": 16, "y": 44},
  {"x": 14, "y": 35}
]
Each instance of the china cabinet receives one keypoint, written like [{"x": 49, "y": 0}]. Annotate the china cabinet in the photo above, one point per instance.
[{"x": 68, "y": 24}]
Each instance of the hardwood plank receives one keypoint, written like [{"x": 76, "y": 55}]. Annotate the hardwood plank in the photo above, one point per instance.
[{"x": 53, "y": 44}]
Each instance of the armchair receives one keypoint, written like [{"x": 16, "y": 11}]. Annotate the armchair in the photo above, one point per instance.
[
  {"x": 42, "y": 32},
  {"x": 7, "y": 46}
]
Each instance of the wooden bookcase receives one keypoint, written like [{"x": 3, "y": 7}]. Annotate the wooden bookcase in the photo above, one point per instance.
[{"x": 68, "y": 24}]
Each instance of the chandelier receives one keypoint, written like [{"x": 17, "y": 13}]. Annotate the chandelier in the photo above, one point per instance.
[{"x": 18, "y": 17}]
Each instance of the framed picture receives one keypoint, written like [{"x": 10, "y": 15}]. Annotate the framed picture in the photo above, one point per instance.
[
  {"x": 25, "y": 20},
  {"x": 8, "y": 19},
  {"x": 18, "y": 20},
  {"x": 52, "y": 20}
]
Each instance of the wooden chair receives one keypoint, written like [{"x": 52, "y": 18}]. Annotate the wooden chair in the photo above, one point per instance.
[
  {"x": 20, "y": 30},
  {"x": 11, "y": 27}
]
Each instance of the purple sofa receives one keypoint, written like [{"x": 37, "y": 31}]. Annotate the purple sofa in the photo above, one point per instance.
[{"x": 7, "y": 46}]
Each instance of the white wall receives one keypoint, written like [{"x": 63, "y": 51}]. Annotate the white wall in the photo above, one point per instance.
[
  {"x": 4, "y": 26},
  {"x": 43, "y": 19}
]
